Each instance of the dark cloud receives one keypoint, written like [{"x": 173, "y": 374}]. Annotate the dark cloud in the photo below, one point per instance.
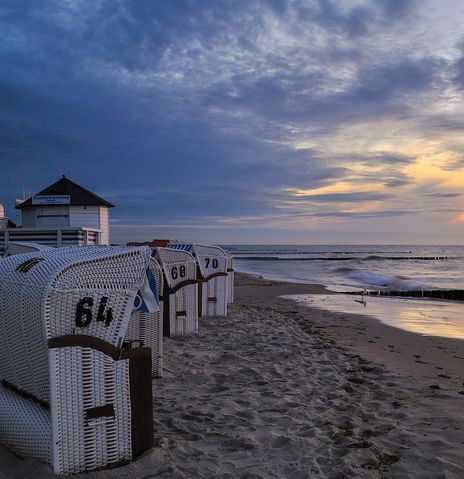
[
  {"x": 443, "y": 195},
  {"x": 359, "y": 20},
  {"x": 397, "y": 9},
  {"x": 343, "y": 197},
  {"x": 292, "y": 96},
  {"x": 279, "y": 7},
  {"x": 387, "y": 80},
  {"x": 389, "y": 161},
  {"x": 459, "y": 68},
  {"x": 360, "y": 215},
  {"x": 354, "y": 23}
]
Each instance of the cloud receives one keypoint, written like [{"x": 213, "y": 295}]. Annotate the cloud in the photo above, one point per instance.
[
  {"x": 443, "y": 195},
  {"x": 359, "y": 19},
  {"x": 187, "y": 111},
  {"x": 343, "y": 197},
  {"x": 362, "y": 214},
  {"x": 459, "y": 67},
  {"x": 398, "y": 9}
]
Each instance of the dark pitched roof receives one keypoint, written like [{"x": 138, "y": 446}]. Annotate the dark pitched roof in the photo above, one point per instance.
[{"x": 79, "y": 195}]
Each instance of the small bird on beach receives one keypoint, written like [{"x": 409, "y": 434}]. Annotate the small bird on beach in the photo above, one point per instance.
[{"x": 361, "y": 301}]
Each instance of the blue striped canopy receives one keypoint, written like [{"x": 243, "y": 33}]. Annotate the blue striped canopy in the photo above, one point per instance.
[{"x": 182, "y": 247}]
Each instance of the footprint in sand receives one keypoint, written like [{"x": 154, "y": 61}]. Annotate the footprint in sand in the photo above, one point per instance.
[{"x": 280, "y": 441}]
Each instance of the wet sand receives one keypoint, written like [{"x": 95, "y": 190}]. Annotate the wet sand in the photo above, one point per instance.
[{"x": 278, "y": 390}]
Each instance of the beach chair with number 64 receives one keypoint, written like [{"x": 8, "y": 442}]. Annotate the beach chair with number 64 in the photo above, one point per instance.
[{"x": 71, "y": 394}]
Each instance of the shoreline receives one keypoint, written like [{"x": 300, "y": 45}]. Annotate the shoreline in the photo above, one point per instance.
[
  {"x": 412, "y": 350},
  {"x": 281, "y": 390},
  {"x": 426, "y": 371}
]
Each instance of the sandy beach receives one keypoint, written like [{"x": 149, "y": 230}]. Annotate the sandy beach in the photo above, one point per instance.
[{"x": 278, "y": 390}]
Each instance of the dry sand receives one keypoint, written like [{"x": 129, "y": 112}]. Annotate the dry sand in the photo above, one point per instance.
[{"x": 277, "y": 390}]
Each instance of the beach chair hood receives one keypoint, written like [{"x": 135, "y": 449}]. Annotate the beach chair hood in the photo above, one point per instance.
[{"x": 66, "y": 291}]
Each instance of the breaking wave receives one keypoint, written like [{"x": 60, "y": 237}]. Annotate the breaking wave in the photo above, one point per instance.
[{"x": 385, "y": 281}]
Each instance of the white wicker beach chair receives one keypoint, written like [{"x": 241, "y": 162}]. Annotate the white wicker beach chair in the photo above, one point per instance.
[
  {"x": 180, "y": 298},
  {"x": 18, "y": 247},
  {"x": 230, "y": 278},
  {"x": 146, "y": 327},
  {"x": 212, "y": 277},
  {"x": 70, "y": 394}
]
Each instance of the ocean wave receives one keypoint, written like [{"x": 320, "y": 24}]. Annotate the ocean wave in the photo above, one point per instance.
[
  {"x": 344, "y": 270},
  {"x": 385, "y": 281},
  {"x": 372, "y": 257}
]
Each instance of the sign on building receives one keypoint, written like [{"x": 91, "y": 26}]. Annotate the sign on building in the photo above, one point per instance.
[{"x": 51, "y": 200}]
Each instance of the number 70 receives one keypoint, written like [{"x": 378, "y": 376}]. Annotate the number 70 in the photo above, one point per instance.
[{"x": 214, "y": 263}]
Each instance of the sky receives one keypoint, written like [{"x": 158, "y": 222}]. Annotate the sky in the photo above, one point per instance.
[{"x": 241, "y": 121}]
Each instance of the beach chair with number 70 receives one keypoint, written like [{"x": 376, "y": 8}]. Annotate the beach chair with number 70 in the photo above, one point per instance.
[{"x": 212, "y": 277}]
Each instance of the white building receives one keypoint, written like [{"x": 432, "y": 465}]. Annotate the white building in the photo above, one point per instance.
[
  {"x": 4, "y": 221},
  {"x": 62, "y": 214}
]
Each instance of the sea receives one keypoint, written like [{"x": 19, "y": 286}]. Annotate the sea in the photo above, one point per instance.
[{"x": 367, "y": 267}]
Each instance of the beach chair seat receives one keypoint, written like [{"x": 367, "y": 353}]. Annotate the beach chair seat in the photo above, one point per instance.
[
  {"x": 180, "y": 297},
  {"x": 70, "y": 394}
]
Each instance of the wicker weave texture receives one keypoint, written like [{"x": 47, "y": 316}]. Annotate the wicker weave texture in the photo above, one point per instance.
[
  {"x": 114, "y": 276},
  {"x": 214, "y": 296},
  {"x": 81, "y": 444},
  {"x": 210, "y": 259},
  {"x": 177, "y": 266},
  {"x": 148, "y": 327},
  {"x": 230, "y": 287},
  {"x": 180, "y": 267},
  {"x": 213, "y": 260},
  {"x": 85, "y": 291},
  {"x": 183, "y": 314},
  {"x": 39, "y": 298},
  {"x": 25, "y": 426},
  {"x": 230, "y": 278}
]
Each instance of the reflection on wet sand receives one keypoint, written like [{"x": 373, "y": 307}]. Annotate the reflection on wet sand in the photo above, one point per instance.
[{"x": 424, "y": 316}]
